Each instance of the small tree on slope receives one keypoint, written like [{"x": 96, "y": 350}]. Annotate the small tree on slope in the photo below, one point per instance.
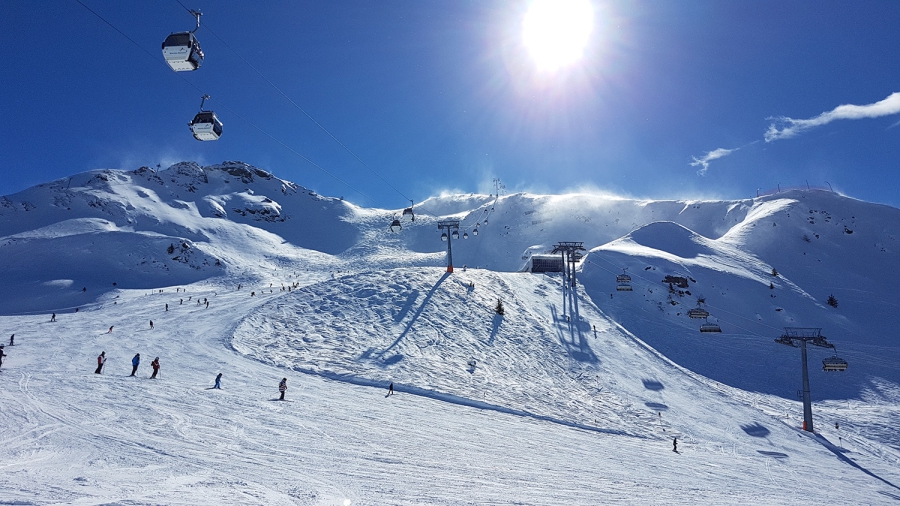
[{"x": 832, "y": 301}]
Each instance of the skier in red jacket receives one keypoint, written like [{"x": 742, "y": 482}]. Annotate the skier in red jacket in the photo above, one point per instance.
[
  {"x": 155, "y": 366},
  {"x": 101, "y": 359}
]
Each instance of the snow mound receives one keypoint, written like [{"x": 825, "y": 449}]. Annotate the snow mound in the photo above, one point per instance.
[{"x": 672, "y": 238}]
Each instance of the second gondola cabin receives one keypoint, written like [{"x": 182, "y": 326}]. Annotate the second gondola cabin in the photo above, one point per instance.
[{"x": 206, "y": 126}]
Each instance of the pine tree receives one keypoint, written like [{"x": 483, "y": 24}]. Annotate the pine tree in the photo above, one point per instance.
[
  {"x": 499, "y": 309},
  {"x": 832, "y": 301},
  {"x": 771, "y": 286},
  {"x": 774, "y": 272}
]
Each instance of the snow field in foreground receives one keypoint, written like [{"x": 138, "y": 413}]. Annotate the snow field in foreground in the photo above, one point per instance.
[{"x": 519, "y": 429}]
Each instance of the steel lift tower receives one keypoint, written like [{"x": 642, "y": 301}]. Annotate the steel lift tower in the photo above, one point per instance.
[{"x": 799, "y": 336}]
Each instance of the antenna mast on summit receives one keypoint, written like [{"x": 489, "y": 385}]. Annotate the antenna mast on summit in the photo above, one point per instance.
[{"x": 498, "y": 186}]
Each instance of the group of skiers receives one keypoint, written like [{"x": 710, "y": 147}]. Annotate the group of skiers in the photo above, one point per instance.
[{"x": 135, "y": 362}]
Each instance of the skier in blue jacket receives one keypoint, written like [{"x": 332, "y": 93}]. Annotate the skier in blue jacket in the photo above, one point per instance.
[{"x": 134, "y": 363}]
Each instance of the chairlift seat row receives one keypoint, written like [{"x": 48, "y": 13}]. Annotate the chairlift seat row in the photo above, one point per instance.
[
  {"x": 698, "y": 312},
  {"x": 710, "y": 327},
  {"x": 834, "y": 364},
  {"x": 624, "y": 288}
]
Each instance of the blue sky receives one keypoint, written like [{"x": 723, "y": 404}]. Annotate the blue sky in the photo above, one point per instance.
[{"x": 669, "y": 99}]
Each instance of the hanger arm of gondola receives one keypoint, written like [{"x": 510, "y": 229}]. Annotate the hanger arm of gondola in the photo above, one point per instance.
[{"x": 197, "y": 15}]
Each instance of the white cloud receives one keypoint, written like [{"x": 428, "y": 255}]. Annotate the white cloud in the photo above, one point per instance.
[
  {"x": 708, "y": 157},
  {"x": 784, "y": 127}
]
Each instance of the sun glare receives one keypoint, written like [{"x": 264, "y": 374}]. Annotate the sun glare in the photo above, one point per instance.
[{"x": 556, "y": 31}]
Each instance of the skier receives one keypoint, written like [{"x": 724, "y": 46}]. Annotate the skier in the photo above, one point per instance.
[
  {"x": 155, "y": 366},
  {"x": 391, "y": 389},
  {"x": 282, "y": 387},
  {"x": 180, "y": 301},
  {"x": 134, "y": 363},
  {"x": 675, "y": 445},
  {"x": 101, "y": 359},
  {"x": 151, "y": 324},
  {"x": 110, "y": 330},
  {"x": 53, "y": 317},
  {"x": 207, "y": 304},
  {"x": 4, "y": 354},
  {"x": 12, "y": 339},
  {"x": 218, "y": 379},
  {"x": 167, "y": 307}
]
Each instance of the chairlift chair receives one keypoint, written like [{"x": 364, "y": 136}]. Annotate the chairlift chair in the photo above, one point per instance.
[
  {"x": 834, "y": 363},
  {"x": 698, "y": 312},
  {"x": 395, "y": 226},
  {"x": 710, "y": 327},
  {"x": 182, "y": 50},
  {"x": 623, "y": 282}
]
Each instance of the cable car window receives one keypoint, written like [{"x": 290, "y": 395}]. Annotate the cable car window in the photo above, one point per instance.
[{"x": 178, "y": 39}]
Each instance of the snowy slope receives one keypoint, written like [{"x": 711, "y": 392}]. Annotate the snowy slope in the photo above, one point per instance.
[{"x": 574, "y": 395}]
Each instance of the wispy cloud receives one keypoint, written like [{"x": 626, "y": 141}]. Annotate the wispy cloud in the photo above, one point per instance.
[
  {"x": 785, "y": 128},
  {"x": 708, "y": 157}
]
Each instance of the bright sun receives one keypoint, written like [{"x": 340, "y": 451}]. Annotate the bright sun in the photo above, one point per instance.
[{"x": 556, "y": 31}]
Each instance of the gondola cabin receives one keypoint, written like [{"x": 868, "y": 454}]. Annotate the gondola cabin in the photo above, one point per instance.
[
  {"x": 409, "y": 211},
  {"x": 395, "y": 226},
  {"x": 698, "y": 312},
  {"x": 834, "y": 364},
  {"x": 206, "y": 126},
  {"x": 182, "y": 51}
]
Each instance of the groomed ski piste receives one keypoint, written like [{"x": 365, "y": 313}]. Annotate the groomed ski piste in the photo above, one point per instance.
[{"x": 570, "y": 397}]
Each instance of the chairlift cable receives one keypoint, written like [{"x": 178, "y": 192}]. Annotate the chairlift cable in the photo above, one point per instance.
[
  {"x": 283, "y": 94},
  {"x": 156, "y": 59}
]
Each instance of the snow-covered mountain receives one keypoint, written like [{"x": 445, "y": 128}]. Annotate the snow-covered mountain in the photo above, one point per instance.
[{"x": 340, "y": 302}]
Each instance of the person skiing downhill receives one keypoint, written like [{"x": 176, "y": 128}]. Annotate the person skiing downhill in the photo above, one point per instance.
[
  {"x": 1, "y": 355},
  {"x": 391, "y": 389},
  {"x": 101, "y": 359},
  {"x": 53, "y": 317},
  {"x": 110, "y": 329},
  {"x": 135, "y": 362},
  {"x": 218, "y": 379},
  {"x": 151, "y": 324},
  {"x": 282, "y": 387},
  {"x": 12, "y": 339},
  {"x": 155, "y": 366},
  {"x": 675, "y": 445}
]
